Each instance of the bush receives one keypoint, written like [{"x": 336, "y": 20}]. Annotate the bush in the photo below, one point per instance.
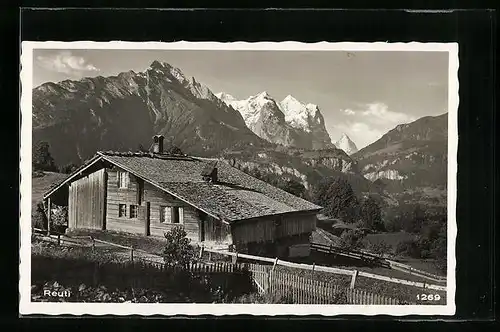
[
  {"x": 409, "y": 248},
  {"x": 380, "y": 248},
  {"x": 68, "y": 168},
  {"x": 352, "y": 239},
  {"x": 178, "y": 252},
  {"x": 39, "y": 218}
]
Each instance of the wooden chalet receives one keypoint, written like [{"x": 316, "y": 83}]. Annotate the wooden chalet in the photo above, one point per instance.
[{"x": 218, "y": 205}]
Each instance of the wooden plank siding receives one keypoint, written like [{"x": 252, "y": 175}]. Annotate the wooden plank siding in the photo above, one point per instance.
[
  {"x": 156, "y": 198},
  {"x": 271, "y": 228},
  {"x": 86, "y": 201},
  {"x": 216, "y": 232}
]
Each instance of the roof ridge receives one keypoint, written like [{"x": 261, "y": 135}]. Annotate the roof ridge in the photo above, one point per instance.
[{"x": 145, "y": 154}]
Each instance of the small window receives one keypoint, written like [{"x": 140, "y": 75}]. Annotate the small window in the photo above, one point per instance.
[
  {"x": 133, "y": 211},
  {"x": 123, "y": 179},
  {"x": 122, "y": 210},
  {"x": 171, "y": 215}
]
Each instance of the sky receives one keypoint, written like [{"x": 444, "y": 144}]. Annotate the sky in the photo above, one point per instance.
[{"x": 363, "y": 94}]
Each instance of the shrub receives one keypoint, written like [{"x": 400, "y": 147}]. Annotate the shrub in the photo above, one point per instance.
[
  {"x": 380, "y": 248},
  {"x": 409, "y": 248},
  {"x": 352, "y": 239},
  {"x": 178, "y": 252},
  {"x": 39, "y": 218}
]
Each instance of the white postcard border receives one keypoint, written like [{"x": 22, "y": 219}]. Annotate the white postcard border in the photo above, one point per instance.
[{"x": 27, "y": 307}]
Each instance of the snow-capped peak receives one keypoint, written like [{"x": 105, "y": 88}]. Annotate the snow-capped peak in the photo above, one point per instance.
[
  {"x": 298, "y": 114},
  {"x": 263, "y": 95},
  {"x": 225, "y": 97},
  {"x": 346, "y": 144}
]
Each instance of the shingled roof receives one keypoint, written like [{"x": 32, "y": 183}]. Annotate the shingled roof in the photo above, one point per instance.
[{"x": 234, "y": 196}]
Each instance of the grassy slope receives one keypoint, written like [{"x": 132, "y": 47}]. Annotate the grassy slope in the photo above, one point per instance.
[{"x": 40, "y": 185}]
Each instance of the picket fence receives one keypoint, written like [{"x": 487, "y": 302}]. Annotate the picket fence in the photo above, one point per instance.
[{"x": 290, "y": 287}]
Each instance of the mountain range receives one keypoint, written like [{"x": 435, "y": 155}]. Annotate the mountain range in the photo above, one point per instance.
[
  {"x": 289, "y": 122},
  {"x": 122, "y": 112},
  {"x": 287, "y": 138}
]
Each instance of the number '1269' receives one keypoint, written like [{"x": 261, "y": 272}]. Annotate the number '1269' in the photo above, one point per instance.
[{"x": 428, "y": 297}]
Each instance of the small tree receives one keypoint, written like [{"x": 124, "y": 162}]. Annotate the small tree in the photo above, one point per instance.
[
  {"x": 178, "y": 251},
  {"x": 371, "y": 214},
  {"x": 338, "y": 199},
  {"x": 42, "y": 159}
]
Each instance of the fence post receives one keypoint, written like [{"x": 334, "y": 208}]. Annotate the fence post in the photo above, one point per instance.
[
  {"x": 312, "y": 271},
  {"x": 131, "y": 254},
  {"x": 353, "y": 279},
  {"x": 235, "y": 258},
  {"x": 58, "y": 239},
  {"x": 275, "y": 263},
  {"x": 201, "y": 251},
  {"x": 93, "y": 243},
  {"x": 49, "y": 215},
  {"x": 209, "y": 256}
]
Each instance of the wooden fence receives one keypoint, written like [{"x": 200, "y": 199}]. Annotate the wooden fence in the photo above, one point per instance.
[
  {"x": 288, "y": 287},
  {"x": 353, "y": 273},
  {"x": 296, "y": 289}
]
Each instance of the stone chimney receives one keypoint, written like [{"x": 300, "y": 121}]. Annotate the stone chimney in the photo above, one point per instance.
[{"x": 158, "y": 143}]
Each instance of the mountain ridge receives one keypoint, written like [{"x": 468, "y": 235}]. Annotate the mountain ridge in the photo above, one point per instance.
[
  {"x": 412, "y": 154},
  {"x": 125, "y": 110},
  {"x": 289, "y": 122}
]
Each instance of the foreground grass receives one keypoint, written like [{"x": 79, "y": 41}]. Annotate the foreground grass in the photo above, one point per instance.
[
  {"x": 153, "y": 245},
  {"x": 102, "y": 277}
]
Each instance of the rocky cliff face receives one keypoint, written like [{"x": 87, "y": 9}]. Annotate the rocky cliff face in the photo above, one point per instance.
[
  {"x": 413, "y": 155},
  {"x": 289, "y": 122},
  {"x": 306, "y": 166},
  {"x": 121, "y": 112}
]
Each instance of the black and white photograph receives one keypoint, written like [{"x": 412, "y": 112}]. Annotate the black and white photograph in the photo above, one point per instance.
[{"x": 238, "y": 178}]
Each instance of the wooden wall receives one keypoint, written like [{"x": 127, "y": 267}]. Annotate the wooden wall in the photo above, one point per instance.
[
  {"x": 273, "y": 228},
  {"x": 87, "y": 201},
  {"x": 214, "y": 231},
  {"x": 155, "y": 197}
]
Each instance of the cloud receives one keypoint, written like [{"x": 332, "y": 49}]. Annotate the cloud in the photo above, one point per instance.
[
  {"x": 67, "y": 63},
  {"x": 365, "y": 123},
  {"x": 348, "y": 111},
  {"x": 378, "y": 113},
  {"x": 361, "y": 133}
]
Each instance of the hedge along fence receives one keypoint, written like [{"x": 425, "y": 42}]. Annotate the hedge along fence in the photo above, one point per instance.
[{"x": 197, "y": 283}]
